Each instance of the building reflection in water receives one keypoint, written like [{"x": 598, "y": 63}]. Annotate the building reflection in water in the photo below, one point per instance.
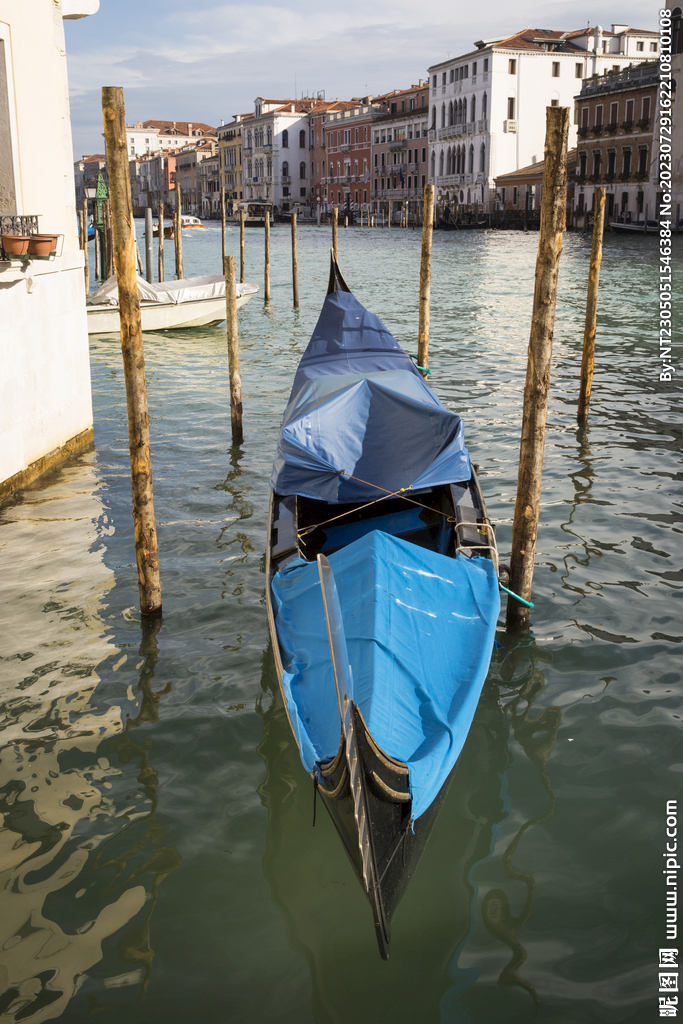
[{"x": 58, "y": 820}]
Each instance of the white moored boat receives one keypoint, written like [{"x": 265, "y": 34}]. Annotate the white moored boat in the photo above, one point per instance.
[{"x": 171, "y": 305}]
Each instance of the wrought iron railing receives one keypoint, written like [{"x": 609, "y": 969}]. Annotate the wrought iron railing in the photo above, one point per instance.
[{"x": 18, "y": 224}]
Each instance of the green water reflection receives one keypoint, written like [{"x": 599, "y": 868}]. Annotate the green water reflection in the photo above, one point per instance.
[{"x": 157, "y": 857}]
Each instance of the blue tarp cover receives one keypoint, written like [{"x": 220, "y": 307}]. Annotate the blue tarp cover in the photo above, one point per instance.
[
  {"x": 419, "y": 630},
  {"x": 359, "y": 407}
]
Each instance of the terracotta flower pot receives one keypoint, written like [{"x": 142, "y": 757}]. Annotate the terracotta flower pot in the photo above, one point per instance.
[
  {"x": 42, "y": 245},
  {"x": 16, "y": 245}
]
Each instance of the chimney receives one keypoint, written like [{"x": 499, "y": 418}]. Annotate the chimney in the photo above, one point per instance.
[
  {"x": 291, "y": 110},
  {"x": 189, "y": 127}
]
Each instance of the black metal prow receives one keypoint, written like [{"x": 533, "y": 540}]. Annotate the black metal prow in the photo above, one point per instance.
[{"x": 336, "y": 282}]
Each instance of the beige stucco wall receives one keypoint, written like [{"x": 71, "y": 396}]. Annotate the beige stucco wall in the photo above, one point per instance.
[{"x": 45, "y": 396}]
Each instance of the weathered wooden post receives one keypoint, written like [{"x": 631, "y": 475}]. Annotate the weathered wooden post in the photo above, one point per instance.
[
  {"x": 527, "y": 505},
  {"x": 146, "y": 551},
  {"x": 266, "y": 268},
  {"x": 178, "y": 231},
  {"x": 335, "y": 231},
  {"x": 161, "y": 241},
  {"x": 425, "y": 281},
  {"x": 390, "y": 212},
  {"x": 222, "y": 224},
  {"x": 97, "y": 246},
  {"x": 86, "y": 255},
  {"x": 149, "y": 248},
  {"x": 138, "y": 257},
  {"x": 588, "y": 359},
  {"x": 295, "y": 264},
  {"x": 233, "y": 349},
  {"x": 110, "y": 238},
  {"x": 242, "y": 215}
]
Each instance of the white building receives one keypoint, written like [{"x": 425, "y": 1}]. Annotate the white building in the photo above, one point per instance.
[
  {"x": 165, "y": 136},
  {"x": 45, "y": 401},
  {"x": 487, "y": 107},
  {"x": 275, "y": 151}
]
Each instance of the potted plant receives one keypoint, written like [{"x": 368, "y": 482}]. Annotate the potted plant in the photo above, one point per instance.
[
  {"x": 42, "y": 247},
  {"x": 15, "y": 247}
]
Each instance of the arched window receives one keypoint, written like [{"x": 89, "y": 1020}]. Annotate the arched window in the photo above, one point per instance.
[
  {"x": 433, "y": 117},
  {"x": 285, "y": 139},
  {"x": 482, "y": 157},
  {"x": 285, "y": 169},
  {"x": 450, "y": 112},
  {"x": 459, "y": 111},
  {"x": 443, "y": 115},
  {"x": 484, "y": 106},
  {"x": 471, "y": 164},
  {"x": 302, "y": 139},
  {"x": 312, "y": 170},
  {"x": 473, "y": 109},
  {"x": 441, "y": 162},
  {"x": 269, "y": 137},
  {"x": 433, "y": 157},
  {"x": 302, "y": 170},
  {"x": 323, "y": 168},
  {"x": 248, "y": 140}
]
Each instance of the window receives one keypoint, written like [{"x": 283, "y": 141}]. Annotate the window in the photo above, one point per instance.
[
  {"x": 393, "y": 108},
  {"x": 302, "y": 139},
  {"x": 583, "y": 160},
  {"x": 424, "y": 180},
  {"x": 376, "y": 159},
  {"x": 614, "y": 114},
  {"x": 443, "y": 115},
  {"x": 626, "y": 163},
  {"x": 629, "y": 111},
  {"x": 486, "y": 64},
  {"x": 556, "y": 69},
  {"x": 347, "y": 136},
  {"x": 645, "y": 111},
  {"x": 474, "y": 69},
  {"x": 653, "y": 47},
  {"x": 471, "y": 161},
  {"x": 433, "y": 117},
  {"x": 482, "y": 158},
  {"x": 452, "y": 74},
  {"x": 285, "y": 139},
  {"x": 424, "y": 155},
  {"x": 473, "y": 109},
  {"x": 434, "y": 87},
  {"x": 642, "y": 160},
  {"x": 611, "y": 163},
  {"x": 285, "y": 169},
  {"x": 465, "y": 71},
  {"x": 512, "y": 67},
  {"x": 554, "y": 103},
  {"x": 596, "y": 163},
  {"x": 302, "y": 193},
  {"x": 584, "y": 117},
  {"x": 312, "y": 170},
  {"x": 412, "y": 104},
  {"x": 616, "y": 67},
  {"x": 514, "y": 196},
  {"x": 578, "y": 71},
  {"x": 484, "y": 106},
  {"x": 356, "y": 135},
  {"x": 443, "y": 78},
  {"x": 302, "y": 170},
  {"x": 640, "y": 46},
  {"x": 598, "y": 116},
  {"x": 511, "y": 108}
]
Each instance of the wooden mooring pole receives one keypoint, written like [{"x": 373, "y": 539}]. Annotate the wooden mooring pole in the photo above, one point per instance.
[
  {"x": 295, "y": 264},
  {"x": 588, "y": 359},
  {"x": 335, "y": 231},
  {"x": 86, "y": 255},
  {"x": 242, "y": 215},
  {"x": 233, "y": 348},
  {"x": 149, "y": 245},
  {"x": 266, "y": 265},
  {"x": 146, "y": 550},
  {"x": 178, "y": 231},
  {"x": 528, "y": 503},
  {"x": 425, "y": 280},
  {"x": 161, "y": 242},
  {"x": 97, "y": 245},
  {"x": 222, "y": 224}
]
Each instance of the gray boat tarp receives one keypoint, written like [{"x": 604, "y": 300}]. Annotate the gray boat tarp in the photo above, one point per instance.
[
  {"x": 361, "y": 418},
  {"x": 188, "y": 289}
]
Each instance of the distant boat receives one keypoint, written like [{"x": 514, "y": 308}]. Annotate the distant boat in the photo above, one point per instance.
[
  {"x": 255, "y": 213},
  {"x": 171, "y": 305},
  {"x": 633, "y": 227},
  {"x": 187, "y": 222},
  {"x": 381, "y": 590}
]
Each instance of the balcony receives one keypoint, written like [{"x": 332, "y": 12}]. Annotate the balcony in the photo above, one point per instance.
[
  {"x": 483, "y": 126},
  {"x": 286, "y": 179},
  {"x": 611, "y": 127},
  {"x": 509, "y": 126},
  {"x": 395, "y": 147},
  {"x": 432, "y": 135}
]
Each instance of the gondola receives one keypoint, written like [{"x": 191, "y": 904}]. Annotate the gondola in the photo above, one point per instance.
[{"x": 382, "y": 591}]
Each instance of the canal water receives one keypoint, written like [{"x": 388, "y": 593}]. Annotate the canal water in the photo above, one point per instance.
[{"x": 158, "y": 863}]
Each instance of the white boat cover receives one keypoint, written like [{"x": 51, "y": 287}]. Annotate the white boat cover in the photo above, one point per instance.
[{"x": 186, "y": 290}]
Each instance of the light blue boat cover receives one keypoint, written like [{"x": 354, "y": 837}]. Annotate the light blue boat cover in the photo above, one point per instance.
[
  {"x": 356, "y": 399},
  {"x": 419, "y": 630}
]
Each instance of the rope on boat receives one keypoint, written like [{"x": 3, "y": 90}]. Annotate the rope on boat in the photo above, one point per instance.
[
  {"x": 424, "y": 369},
  {"x": 527, "y": 604}
]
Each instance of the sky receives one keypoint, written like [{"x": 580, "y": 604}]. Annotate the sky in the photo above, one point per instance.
[{"x": 203, "y": 63}]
